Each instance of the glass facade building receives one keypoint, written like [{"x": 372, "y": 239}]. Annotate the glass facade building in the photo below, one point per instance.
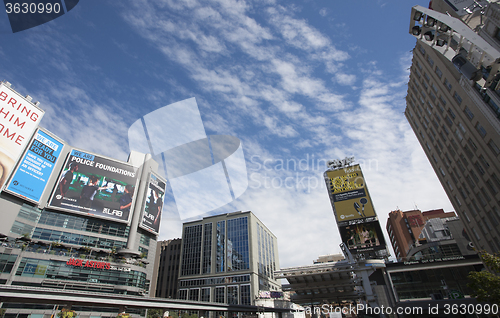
[
  {"x": 51, "y": 247},
  {"x": 229, "y": 264}
]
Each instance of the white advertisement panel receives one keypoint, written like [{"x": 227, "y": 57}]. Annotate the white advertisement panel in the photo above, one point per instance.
[{"x": 18, "y": 120}]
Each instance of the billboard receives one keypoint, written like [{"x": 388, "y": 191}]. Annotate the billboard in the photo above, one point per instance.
[
  {"x": 18, "y": 120},
  {"x": 96, "y": 186},
  {"x": 35, "y": 168},
  {"x": 349, "y": 194},
  {"x": 151, "y": 215},
  {"x": 362, "y": 235}
]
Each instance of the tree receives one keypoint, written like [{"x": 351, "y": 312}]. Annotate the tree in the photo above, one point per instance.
[
  {"x": 485, "y": 284},
  {"x": 66, "y": 313},
  {"x": 155, "y": 313}
]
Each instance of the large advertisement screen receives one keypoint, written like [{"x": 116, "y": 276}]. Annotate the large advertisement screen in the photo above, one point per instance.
[
  {"x": 96, "y": 186},
  {"x": 18, "y": 120},
  {"x": 348, "y": 193},
  {"x": 362, "y": 236},
  {"x": 36, "y": 167},
  {"x": 153, "y": 205}
]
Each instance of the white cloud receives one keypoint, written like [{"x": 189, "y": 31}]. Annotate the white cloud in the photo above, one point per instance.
[{"x": 345, "y": 79}]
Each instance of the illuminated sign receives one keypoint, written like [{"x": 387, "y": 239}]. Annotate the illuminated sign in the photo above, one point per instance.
[
  {"x": 36, "y": 167},
  {"x": 88, "y": 263},
  {"x": 348, "y": 194},
  {"x": 363, "y": 237},
  {"x": 153, "y": 206},
  {"x": 93, "y": 185}
]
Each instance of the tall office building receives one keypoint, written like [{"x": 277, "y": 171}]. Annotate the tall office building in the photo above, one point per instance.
[
  {"x": 404, "y": 228},
  {"x": 453, "y": 107},
  {"x": 227, "y": 258},
  {"x": 165, "y": 278}
]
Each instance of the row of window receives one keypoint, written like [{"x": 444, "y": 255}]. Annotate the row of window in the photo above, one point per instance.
[
  {"x": 214, "y": 281},
  {"x": 59, "y": 270},
  {"x": 237, "y": 294}
]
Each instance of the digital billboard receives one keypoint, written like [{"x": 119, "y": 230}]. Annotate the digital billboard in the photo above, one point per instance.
[
  {"x": 348, "y": 194},
  {"x": 362, "y": 235},
  {"x": 35, "y": 168},
  {"x": 96, "y": 186},
  {"x": 18, "y": 120},
  {"x": 151, "y": 215}
]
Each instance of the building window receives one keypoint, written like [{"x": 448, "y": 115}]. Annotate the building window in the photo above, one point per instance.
[
  {"x": 452, "y": 114},
  {"x": 447, "y": 84},
  {"x": 484, "y": 162},
  {"x": 232, "y": 295},
  {"x": 468, "y": 112},
  {"x": 427, "y": 77},
  {"x": 422, "y": 50},
  {"x": 491, "y": 187},
  {"x": 497, "y": 34},
  {"x": 442, "y": 171},
  {"x": 439, "y": 73},
  {"x": 468, "y": 152},
  {"x": 475, "y": 234},
  {"x": 457, "y": 98},
  {"x": 458, "y": 201},
  {"x": 191, "y": 247},
  {"x": 207, "y": 249},
  {"x": 219, "y": 294},
  {"x": 221, "y": 245},
  {"x": 434, "y": 88},
  {"x": 459, "y": 135},
  {"x": 418, "y": 64},
  {"x": 448, "y": 120},
  {"x": 194, "y": 294},
  {"x": 183, "y": 294},
  {"x": 205, "y": 294},
  {"x": 481, "y": 130},
  {"x": 494, "y": 147},
  {"x": 466, "y": 217},
  {"x": 238, "y": 257},
  {"x": 432, "y": 96},
  {"x": 245, "y": 295},
  {"x": 449, "y": 185},
  {"x": 431, "y": 62},
  {"x": 443, "y": 101}
]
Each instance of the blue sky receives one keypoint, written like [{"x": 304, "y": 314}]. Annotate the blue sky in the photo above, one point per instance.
[{"x": 293, "y": 80}]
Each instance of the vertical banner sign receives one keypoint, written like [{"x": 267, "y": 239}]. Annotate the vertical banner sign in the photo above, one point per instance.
[
  {"x": 348, "y": 194},
  {"x": 18, "y": 120},
  {"x": 36, "y": 166},
  {"x": 151, "y": 216},
  {"x": 96, "y": 186}
]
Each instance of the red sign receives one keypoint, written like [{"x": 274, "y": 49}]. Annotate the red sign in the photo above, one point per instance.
[{"x": 91, "y": 264}]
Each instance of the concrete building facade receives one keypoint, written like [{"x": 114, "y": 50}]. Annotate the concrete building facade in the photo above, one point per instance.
[
  {"x": 453, "y": 108},
  {"x": 167, "y": 263},
  {"x": 227, "y": 258}
]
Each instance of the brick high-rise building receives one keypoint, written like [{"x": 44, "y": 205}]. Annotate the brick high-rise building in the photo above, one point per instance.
[{"x": 404, "y": 228}]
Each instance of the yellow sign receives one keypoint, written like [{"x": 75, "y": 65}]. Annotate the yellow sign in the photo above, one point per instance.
[{"x": 348, "y": 193}]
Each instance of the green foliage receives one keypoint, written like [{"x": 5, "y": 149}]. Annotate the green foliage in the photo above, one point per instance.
[
  {"x": 155, "y": 313},
  {"x": 66, "y": 313},
  {"x": 485, "y": 285}
]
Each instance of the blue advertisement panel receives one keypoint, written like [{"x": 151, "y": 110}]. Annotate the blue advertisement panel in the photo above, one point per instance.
[{"x": 35, "y": 168}]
